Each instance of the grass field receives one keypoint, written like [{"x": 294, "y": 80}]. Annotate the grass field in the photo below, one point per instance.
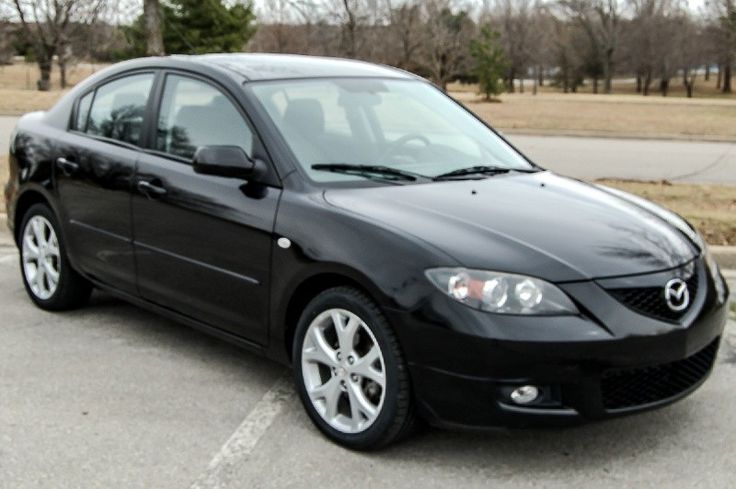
[
  {"x": 614, "y": 115},
  {"x": 625, "y": 86},
  {"x": 17, "y": 87},
  {"x": 710, "y": 208}
]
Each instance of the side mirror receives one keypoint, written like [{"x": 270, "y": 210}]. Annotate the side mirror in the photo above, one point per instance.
[{"x": 227, "y": 161}]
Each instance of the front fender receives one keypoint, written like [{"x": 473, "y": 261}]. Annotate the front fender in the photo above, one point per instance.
[{"x": 325, "y": 240}]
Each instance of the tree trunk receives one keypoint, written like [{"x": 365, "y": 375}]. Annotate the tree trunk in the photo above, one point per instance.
[
  {"x": 540, "y": 75},
  {"x": 690, "y": 86},
  {"x": 62, "y": 72},
  {"x": 647, "y": 83},
  {"x": 688, "y": 80},
  {"x": 536, "y": 80},
  {"x": 726, "y": 78},
  {"x": 664, "y": 87},
  {"x": 638, "y": 83},
  {"x": 154, "y": 39},
  {"x": 719, "y": 78},
  {"x": 64, "y": 55},
  {"x": 521, "y": 85},
  {"x": 510, "y": 83},
  {"x": 45, "y": 65},
  {"x": 707, "y": 72},
  {"x": 595, "y": 84},
  {"x": 608, "y": 71}
]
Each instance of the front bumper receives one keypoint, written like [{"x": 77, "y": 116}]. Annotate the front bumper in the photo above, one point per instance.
[{"x": 609, "y": 362}]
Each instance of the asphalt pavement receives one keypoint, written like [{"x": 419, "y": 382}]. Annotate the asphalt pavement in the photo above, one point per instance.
[
  {"x": 586, "y": 157},
  {"x": 112, "y": 396}
]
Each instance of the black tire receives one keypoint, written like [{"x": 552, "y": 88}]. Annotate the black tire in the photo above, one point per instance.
[
  {"x": 396, "y": 417},
  {"x": 72, "y": 290}
]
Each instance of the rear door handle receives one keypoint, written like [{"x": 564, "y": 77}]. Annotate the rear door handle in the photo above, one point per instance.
[
  {"x": 151, "y": 189},
  {"x": 67, "y": 166}
]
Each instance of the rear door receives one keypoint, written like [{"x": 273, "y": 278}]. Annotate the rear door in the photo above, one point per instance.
[
  {"x": 203, "y": 243},
  {"x": 94, "y": 175}
]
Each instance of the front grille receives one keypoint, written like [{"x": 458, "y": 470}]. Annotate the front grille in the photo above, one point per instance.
[
  {"x": 627, "y": 388},
  {"x": 651, "y": 302}
]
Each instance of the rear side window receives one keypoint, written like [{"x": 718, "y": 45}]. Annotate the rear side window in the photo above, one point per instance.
[
  {"x": 194, "y": 114},
  {"x": 118, "y": 108},
  {"x": 80, "y": 124}
]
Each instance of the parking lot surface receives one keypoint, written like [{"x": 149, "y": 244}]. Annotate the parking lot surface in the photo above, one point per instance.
[{"x": 113, "y": 396}]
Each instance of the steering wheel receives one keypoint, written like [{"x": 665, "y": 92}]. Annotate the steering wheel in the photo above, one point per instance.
[{"x": 402, "y": 141}]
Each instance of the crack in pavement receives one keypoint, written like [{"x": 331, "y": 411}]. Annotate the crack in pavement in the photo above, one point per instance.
[{"x": 710, "y": 166}]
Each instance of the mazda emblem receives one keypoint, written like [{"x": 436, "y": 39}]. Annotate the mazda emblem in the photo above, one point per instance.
[{"x": 677, "y": 295}]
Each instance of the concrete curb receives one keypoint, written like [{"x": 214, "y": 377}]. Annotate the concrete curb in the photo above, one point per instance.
[{"x": 6, "y": 240}]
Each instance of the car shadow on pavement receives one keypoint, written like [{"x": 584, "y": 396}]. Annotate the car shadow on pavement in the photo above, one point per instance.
[
  {"x": 543, "y": 449},
  {"x": 143, "y": 330}
]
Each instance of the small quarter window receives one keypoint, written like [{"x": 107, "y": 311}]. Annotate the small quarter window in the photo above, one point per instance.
[
  {"x": 118, "y": 108},
  {"x": 80, "y": 124},
  {"x": 194, "y": 114}
]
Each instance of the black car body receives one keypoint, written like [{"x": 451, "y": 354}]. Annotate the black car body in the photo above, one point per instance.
[{"x": 241, "y": 258}]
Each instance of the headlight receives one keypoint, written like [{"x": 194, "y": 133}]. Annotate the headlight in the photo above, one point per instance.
[{"x": 502, "y": 293}]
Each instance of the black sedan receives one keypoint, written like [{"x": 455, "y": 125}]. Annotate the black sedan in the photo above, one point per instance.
[{"x": 353, "y": 221}]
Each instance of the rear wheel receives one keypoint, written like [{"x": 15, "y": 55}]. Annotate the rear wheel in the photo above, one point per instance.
[
  {"x": 48, "y": 277},
  {"x": 349, "y": 370}
]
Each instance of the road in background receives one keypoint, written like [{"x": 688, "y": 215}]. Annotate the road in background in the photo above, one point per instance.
[
  {"x": 637, "y": 159},
  {"x": 7, "y": 123},
  {"x": 589, "y": 158}
]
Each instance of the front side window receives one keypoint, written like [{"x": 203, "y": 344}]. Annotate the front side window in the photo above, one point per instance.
[
  {"x": 118, "y": 108},
  {"x": 406, "y": 125},
  {"x": 194, "y": 114}
]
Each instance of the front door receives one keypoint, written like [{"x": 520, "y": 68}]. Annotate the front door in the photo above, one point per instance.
[{"x": 202, "y": 243}]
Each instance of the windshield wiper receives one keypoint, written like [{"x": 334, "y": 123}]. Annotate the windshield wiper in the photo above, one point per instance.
[
  {"x": 481, "y": 170},
  {"x": 366, "y": 170}
]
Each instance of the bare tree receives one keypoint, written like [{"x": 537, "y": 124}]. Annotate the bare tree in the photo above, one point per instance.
[
  {"x": 601, "y": 21},
  {"x": 724, "y": 12},
  {"x": 511, "y": 18},
  {"x": 48, "y": 26},
  {"x": 568, "y": 58},
  {"x": 406, "y": 28},
  {"x": 154, "y": 38},
  {"x": 448, "y": 35},
  {"x": 691, "y": 46}
]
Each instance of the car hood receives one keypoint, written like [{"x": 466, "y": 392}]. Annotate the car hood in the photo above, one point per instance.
[{"x": 538, "y": 224}]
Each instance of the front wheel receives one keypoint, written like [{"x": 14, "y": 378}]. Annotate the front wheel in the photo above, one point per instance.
[
  {"x": 49, "y": 279},
  {"x": 349, "y": 371}
]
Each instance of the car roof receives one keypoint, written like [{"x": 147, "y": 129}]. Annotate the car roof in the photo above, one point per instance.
[{"x": 254, "y": 66}]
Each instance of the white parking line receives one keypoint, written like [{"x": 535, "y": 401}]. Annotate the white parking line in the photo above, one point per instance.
[{"x": 246, "y": 437}]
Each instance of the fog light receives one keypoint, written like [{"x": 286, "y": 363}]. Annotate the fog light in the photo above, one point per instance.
[{"x": 525, "y": 394}]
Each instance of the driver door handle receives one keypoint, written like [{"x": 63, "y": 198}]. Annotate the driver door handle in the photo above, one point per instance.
[{"x": 151, "y": 188}]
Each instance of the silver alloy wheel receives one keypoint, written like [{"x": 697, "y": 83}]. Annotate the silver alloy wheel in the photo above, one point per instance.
[
  {"x": 41, "y": 257},
  {"x": 343, "y": 370}
]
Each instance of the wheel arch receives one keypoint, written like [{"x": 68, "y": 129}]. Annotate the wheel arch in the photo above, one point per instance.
[
  {"x": 25, "y": 201},
  {"x": 309, "y": 288}
]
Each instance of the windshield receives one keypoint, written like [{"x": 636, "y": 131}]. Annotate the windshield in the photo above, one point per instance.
[{"x": 407, "y": 125}]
